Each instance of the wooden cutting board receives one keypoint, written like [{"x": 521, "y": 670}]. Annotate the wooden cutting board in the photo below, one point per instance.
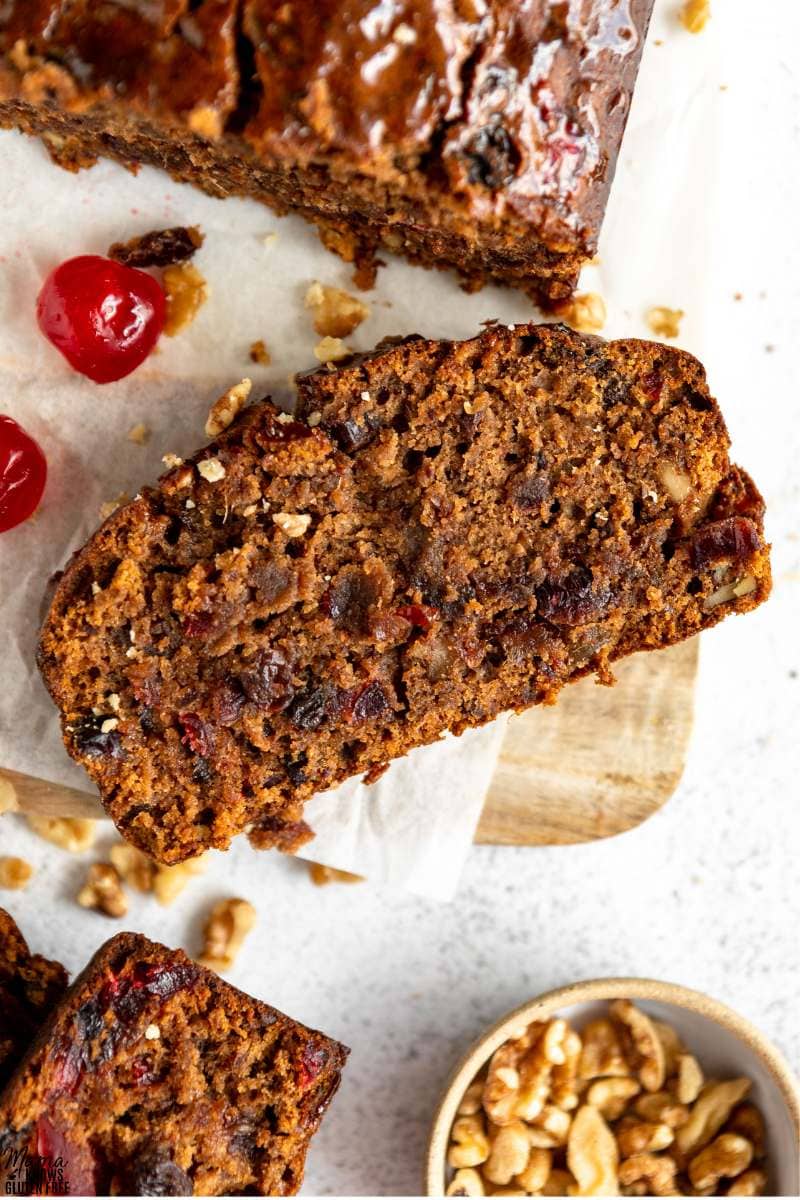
[{"x": 599, "y": 762}]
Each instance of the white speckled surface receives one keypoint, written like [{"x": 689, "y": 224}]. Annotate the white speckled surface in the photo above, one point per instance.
[{"x": 706, "y": 893}]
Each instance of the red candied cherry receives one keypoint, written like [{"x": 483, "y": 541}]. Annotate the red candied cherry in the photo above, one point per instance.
[
  {"x": 23, "y": 473},
  {"x": 104, "y": 317}
]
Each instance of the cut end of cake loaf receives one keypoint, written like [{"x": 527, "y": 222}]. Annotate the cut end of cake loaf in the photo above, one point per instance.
[
  {"x": 154, "y": 1077},
  {"x": 30, "y": 986},
  {"x": 446, "y": 532},
  {"x": 484, "y": 142}
]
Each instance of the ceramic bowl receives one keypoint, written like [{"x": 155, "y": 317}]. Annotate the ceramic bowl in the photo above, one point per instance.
[{"x": 725, "y": 1044}]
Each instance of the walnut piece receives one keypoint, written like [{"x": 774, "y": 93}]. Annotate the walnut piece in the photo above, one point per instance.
[
  {"x": 8, "y": 796},
  {"x": 224, "y": 411},
  {"x": 139, "y": 434},
  {"x": 592, "y": 1154},
  {"x": 15, "y": 873},
  {"x": 169, "y": 882},
  {"x": 585, "y": 312},
  {"x": 75, "y": 834},
  {"x": 649, "y": 1051},
  {"x": 336, "y": 313},
  {"x": 133, "y": 866},
  {"x": 103, "y": 891},
  {"x": 224, "y": 932},
  {"x": 331, "y": 350},
  {"x": 292, "y": 524},
  {"x": 187, "y": 291},
  {"x": 665, "y": 322},
  {"x": 727, "y": 1156},
  {"x": 211, "y": 470},
  {"x": 695, "y": 15},
  {"x": 320, "y": 875}
]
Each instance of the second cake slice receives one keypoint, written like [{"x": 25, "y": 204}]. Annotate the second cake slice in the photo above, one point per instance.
[{"x": 452, "y": 530}]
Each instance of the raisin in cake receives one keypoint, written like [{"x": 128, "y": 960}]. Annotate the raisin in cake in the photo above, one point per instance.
[
  {"x": 453, "y": 530},
  {"x": 154, "y": 1077},
  {"x": 482, "y": 137},
  {"x": 29, "y": 988}
]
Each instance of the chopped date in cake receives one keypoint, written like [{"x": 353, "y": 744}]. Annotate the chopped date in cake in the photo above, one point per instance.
[
  {"x": 345, "y": 598},
  {"x": 141, "y": 1054}
]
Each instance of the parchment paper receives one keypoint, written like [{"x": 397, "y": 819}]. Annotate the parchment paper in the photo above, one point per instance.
[{"x": 414, "y": 827}]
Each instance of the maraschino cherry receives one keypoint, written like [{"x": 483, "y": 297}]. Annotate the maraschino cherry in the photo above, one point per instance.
[
  {"x": 104, "y": 317},
  {"x": 23, "y": 473}
]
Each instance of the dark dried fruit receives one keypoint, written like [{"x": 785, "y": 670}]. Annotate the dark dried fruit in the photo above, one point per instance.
[
  {"x": 282, "y": 431},
  {"x": 93, "y": 743},
  {"x": 652, "y": 384},
  {"x": 349, "y": 599},
  {"x": 367, "y": 702},
  {"x": 529, "y": 487},
  {"x": 312, "y": 707},
  {"x": 492, "y": 157},
  {"x": 313, "y": 1060},
  {"x": 733, "y": 539},
  {"x": 267, "y": 681},
  {"x": 196, "y": 734},
  {"x": 228, "y": 702},
  {"x": 572, "y": 600},
  {"x": 349, "y": 435},
  {"x": 153, "y": 1173},
  {"x": 197, "y": 624},
  {"x": 421, "y": 616},
  {"x": 159, "y": 248}
]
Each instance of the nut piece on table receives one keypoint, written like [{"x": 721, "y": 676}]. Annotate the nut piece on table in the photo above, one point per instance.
[
  {"x": 665, "y": 322},
  {"x": 15, "y": 873},
  {"x": 695, "y": 15},
  {"x": 469, "y": 1145},
  {"x": 726, "y": 1157},
  {"x": 170, "y": 881},
  {"x": 651, "y": 1060},
  {"x": 260, "y": 354},
  {"x": 225, "y": 930},
  {"x": 103, "y": 891},
  {"x": 187, "y": 292},
  {"x": 585, "y": 312},
  {"x": 133, "y": 866},
  {"x": 710, "y": 1112},
  {"x": 75, "y": 834},
  {"x": 8, "y": 796},
  {"x": 592, "y": 1154},
  {"x": 320, "y": 875},
  {"x": 336, "y": 312},
  {"x": 331, "y": 350},
  {"x": 227, "y": 408}
]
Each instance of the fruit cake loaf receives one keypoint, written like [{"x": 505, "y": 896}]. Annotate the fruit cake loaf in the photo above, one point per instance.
[
  {"x": 154, "y": 1077},
  {"x": 29, "y": 988},
  {"x": 453, "y": 530},
  {"x": 481, "y": 137}
]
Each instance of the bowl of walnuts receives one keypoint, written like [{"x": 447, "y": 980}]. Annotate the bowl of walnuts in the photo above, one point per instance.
[{"x": 618, "y": 1087}]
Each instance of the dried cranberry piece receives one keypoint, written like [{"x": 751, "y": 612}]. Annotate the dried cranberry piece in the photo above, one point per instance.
[
  {"x": 164, "y": 979},
  {"x": 228, "y": 701},
  {"x": 389, "y": 627},
  {"x": 312, "y": 707},
  {"x": 196, "y": 734},
  {"x": 492, "y": 156},
  {"x": 529, "y": 487},
  {"x": 421, "y": 616},
  {"x": 74, "y": 1161},
  {"x": 312, "y": 1061},
  {"x": 652, "y": 384},
  {"x": 197, "y": 624},
  {"x": 142, "y": 1071},
  {"x": 92, "y": 742},
  {"x": 154, "y": 1173},
  {"x": 572, "y": 600},
  {"x": 267, "y": 681},
  {"x": 735, "y": 538}
]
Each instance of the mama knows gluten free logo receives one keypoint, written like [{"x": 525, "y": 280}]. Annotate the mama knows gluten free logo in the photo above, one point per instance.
[{"x": 25, "y": 1174}]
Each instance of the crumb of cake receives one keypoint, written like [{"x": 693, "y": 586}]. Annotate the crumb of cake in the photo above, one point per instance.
[
  {"x": 206, "y": 121},
  {"x": 336, "y": 312},
  {"x": 103, "y": 892},
  {"x": 225, "y": 930},
  {"x": 15, "y": 873},
  {"x": 695, "y": 15},
  {"x": 75, "y": 834},
  {"x": 331, "y": 350},
  {"x": 224, "y": 410},
  {"x": 260, "y": 354},
  {"x": 211, "y": 469},
  {"x": 187, "y": 291},
  {"x": 152, "y": 1033},
  {"x": 139, "y": 434},
  {"x": 171, "y": 460},
  {"x": 320, "y": 875},
  {"x": 665, "y": 322},
  {"x": 617, "y": 1105},
  {"x": 111, "y": 506},
  {"x": 159, "y": 248},
  {"x": 292, "y": 524},
  {"x": 585, "y": 312},
  {"x": 269, "y": 239},
  {"x": 8, "y": 796}
]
